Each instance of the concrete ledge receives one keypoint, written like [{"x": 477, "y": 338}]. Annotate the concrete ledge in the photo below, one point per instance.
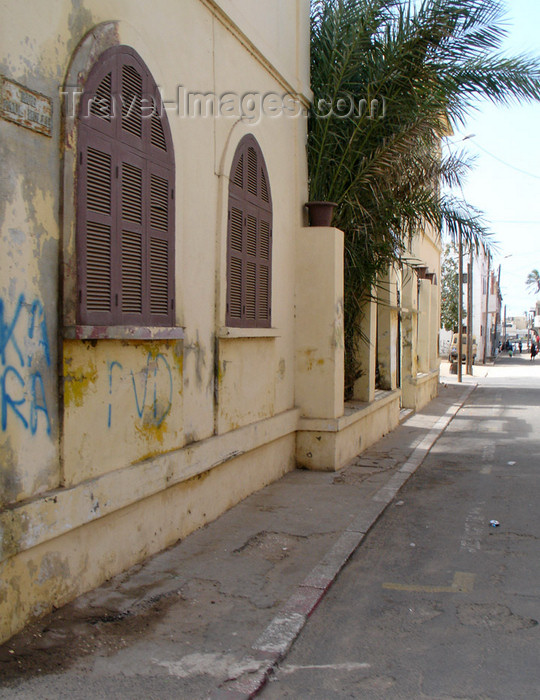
[
  {"x": 54, "y": 513},
  {"x": 423, "y": 377},
  {"x": 354, "y": 410},
  {"x": 328, "y": 444},
  {"x": 229, "y": 332},
  {"x": 123, "y": 332},
  {"x": 420, "y": 389}
]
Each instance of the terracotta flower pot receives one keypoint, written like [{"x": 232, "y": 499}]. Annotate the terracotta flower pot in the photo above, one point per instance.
[{"x": 320, "y": 213}]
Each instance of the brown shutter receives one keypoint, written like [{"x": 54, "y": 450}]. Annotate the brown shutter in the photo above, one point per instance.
[
  {"x": 252, "y": 171},
  {"x": 252, "y": 232},
  {"x": 160, "y": 245},
  {"x": 101, "y": 105},
  {"x": 235, "y": 262},
  {"x": 95, "y": 226},
  {"x": 249, "y": 239},
  {"x": 125, "y": 215},
  {"x": 98, "y": 103},
  {"x": 157, "y": 135},
  {"x": 131, "y": 91},
  {"x": 265, "y": 194},
  {"x": 238, "y": 177},
  {"x": 131, "y": 236},
  {"x": 264, "y": 249}
]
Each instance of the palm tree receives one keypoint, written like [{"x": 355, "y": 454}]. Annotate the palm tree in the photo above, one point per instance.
[
  {"x": 533, "y": 281},
  {"x": 411, "y": 72}
]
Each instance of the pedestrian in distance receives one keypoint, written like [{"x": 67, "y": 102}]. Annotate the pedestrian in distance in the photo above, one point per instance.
[
  {"x": 534, "y": 350},
  {"x": 520, "y": 347}
]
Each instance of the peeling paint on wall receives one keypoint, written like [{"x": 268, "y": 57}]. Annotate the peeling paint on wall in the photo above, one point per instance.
[
  {"x": 338, "y": 336},
  {"x": 199, "y": 352},
  {"x": 76, "y": 383},
  {"x": 150, "y": 408},
  {"x": 246, "y": 391},
  {"x": 123, "y": 403}
]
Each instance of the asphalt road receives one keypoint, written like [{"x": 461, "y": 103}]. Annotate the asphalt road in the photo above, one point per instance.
[{"x": 436, "y": 603}]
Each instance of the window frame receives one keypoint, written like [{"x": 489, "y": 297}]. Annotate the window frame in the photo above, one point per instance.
[
  {"x": 152, "y": 159},
  {"x": 256, "y": 207}
]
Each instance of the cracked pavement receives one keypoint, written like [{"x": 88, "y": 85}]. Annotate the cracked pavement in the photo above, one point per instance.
[{"x": 203, "y": 613}]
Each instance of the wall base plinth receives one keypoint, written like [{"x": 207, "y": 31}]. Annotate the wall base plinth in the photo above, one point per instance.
[
  {"x": 420, "y": 390},
  {"x": 329, "y": 444}
]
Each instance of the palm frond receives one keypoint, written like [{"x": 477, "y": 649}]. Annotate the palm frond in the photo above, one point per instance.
[{"x": 428, "y": 64}]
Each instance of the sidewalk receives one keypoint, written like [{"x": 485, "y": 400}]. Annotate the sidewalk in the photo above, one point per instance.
[{"x": 212, "y": 615}]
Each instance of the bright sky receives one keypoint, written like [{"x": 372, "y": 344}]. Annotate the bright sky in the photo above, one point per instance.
[{"x": 510, "y": 198}]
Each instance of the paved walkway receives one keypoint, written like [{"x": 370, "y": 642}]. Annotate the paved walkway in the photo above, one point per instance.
[{"x": 213, "y": 614}]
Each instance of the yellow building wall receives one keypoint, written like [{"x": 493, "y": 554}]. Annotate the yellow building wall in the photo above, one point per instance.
[
  {"x": 150, "y": 433},
  {"x": 146, "y": 433},
  {"x": 55, "y": 571},
  {"x": 122, "y": 404},
  {"x": 422, "y": 322}
]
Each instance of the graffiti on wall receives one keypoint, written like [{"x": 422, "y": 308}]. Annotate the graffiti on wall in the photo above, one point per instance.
[
  {"x": 24, "y": 345},
  {"x": 147, "y": 388}
]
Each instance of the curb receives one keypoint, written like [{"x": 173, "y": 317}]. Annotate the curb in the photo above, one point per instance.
[{"x": 275, "y": 641}]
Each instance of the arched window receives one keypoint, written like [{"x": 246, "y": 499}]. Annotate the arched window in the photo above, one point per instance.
[
  {"x": 125, "y": 197},
  {"x": 249, "y": 239}
]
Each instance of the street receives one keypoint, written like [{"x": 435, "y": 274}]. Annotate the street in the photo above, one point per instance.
[
  {"x": 437, "y": 603},
  {"x": 434, "y": 603}
]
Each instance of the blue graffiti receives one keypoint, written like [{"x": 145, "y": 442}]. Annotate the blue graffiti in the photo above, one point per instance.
[
  {"x": 159, "y": 413},
  {"x": 8, "y": 401},
  {"x": 37, "y": 308},
  {"x": 36, "y": 379},
  {"x": 140, "y": 408},
  {"x": 22, "y": 392},
  {"x": 166, "y": 412},
  {"x": 112, "y": 365},
  {"x": 7, "y": 331}
]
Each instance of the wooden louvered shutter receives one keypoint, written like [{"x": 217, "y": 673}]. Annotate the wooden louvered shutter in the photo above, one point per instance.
[
  {"x": 264, "y": 248},
  {"x": 236, "y": 264},
  {"x": 131, "y": 237},
  {"x": 125, "y": 219},
  {"x": 96, "y": 226},
  {"x": 249, "y": 239},
  {"x": 131, "y": 93},
  {"x": 160, "y": 244}
]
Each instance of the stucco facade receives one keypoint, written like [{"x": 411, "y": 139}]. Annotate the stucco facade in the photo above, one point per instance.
[
  {"x": 421, "y": 319},
  {"x": 143, "y": 432},
  {"x": 119, "y": 440}
]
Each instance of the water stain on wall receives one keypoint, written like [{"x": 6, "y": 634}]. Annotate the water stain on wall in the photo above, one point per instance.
[{"x": 77, "y": 382}]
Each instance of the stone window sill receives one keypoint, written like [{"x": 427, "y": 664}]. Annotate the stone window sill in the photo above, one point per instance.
[
  {"x": 123, "y": 332},
  {"x": 229, "y": 332}
]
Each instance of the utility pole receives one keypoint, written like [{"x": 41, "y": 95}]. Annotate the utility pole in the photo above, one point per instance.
[
  {"x": 486, "y": 316},
  {"x": 469, "y": 310},
  {"x": 460, "y": 305},
  {"x": 497, "y": 338}
]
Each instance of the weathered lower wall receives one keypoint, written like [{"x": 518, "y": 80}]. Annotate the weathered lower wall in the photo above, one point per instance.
[
  {"x": 28, "y": 396},
  {"x": 319, "y": 344},
  {"x": 246, "y": 381},
  {"x": 327, "y": 445},
  {"x": 52, "y": 573},
  {"x": 122, "y": 403},
  {"x": 28, "y": 294},
  {"x": 419, "y": 390}
]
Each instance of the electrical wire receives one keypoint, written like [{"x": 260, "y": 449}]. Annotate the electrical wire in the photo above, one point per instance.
[
  {"x": 508, "y": 165},
  {"x": 509, "y": 221}
]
